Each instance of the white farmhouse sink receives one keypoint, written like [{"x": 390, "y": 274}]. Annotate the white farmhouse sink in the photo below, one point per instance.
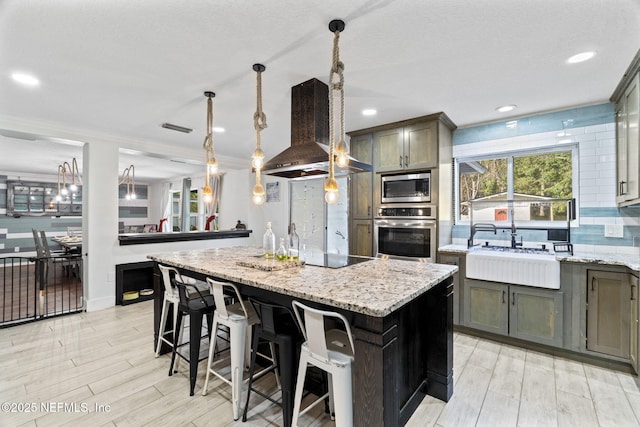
[{"x": 541, "y": 270}]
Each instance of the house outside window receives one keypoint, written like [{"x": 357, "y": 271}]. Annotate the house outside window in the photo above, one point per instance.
[{"x": 533, "y": 177}]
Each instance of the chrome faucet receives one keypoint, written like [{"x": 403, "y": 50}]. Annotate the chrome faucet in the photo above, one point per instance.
[
  {"x": 480, "y": 227},
  {"x": 514, "y": 243}
]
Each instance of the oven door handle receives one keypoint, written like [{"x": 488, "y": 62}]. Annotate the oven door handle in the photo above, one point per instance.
[{"x": 425, "y": 223}]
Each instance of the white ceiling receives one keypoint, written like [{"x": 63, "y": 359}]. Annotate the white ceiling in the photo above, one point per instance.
[{"x": 121, "y": 68}]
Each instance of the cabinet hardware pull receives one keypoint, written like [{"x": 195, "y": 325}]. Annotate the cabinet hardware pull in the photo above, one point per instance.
[
  {"x": 406, "y": 161},
  {"x": 368, "y": 210},
  {"x": 400, "y": 161},
  {"x": 503, "y": 293},
  {"x": 593, "y": 279},
  {"x": 513, "y": 298},
  {"x": 622, "y": 184},
  {"x": 369, "y": 228}
]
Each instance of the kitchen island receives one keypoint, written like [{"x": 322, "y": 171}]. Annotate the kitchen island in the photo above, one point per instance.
[{"x": 400, "y": 313}]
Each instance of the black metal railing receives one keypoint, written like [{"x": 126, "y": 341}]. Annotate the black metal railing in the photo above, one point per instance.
[{"x": 36, "y": 288}]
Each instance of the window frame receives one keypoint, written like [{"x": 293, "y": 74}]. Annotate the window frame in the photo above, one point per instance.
[{"x": 573, "y": 148}]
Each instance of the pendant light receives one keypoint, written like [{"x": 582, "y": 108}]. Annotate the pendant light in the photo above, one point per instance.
[
  {"x": 337, "y": 152},
  {"x": 212, "y": 163},
  {"x": 259, "y": 123}
]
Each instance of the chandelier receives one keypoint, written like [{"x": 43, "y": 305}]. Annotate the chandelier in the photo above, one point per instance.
[
  {"x": 128, "y": 177},
  {"x": 70, "y": 171}
]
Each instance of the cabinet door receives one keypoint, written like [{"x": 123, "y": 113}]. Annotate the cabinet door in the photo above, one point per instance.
[
  {"x": 486, "y": 306},
  {"x": 536, "y": 315},
  {"x": 632, "y": 99},
  {"x": 634, "y": 330},
  {"x": 621, "y": 152},
  {"x": 608, "y": 299},
  {"x": 420, "y": 146},
  {"x": 628, "y": 144},
  {"x": 388, "y": 152},
  {"x": 360, "y": 238},
  {"x": 361, "y": 183},
  {"x": 454, "y": 260}
]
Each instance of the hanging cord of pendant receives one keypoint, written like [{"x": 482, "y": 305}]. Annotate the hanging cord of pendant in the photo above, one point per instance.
[
  {"x": 259, "y": 118},
  {"x": 208, "y": 140},
  {"x": 336, "y": 82}
]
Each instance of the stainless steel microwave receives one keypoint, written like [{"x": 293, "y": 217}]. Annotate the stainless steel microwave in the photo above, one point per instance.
[{"x": 403, "y": 188}]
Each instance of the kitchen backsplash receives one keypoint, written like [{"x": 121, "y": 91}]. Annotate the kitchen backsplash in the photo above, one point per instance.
[{"x": 593, "y": 129}]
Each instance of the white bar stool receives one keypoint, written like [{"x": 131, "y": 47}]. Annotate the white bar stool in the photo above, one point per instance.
[
  {"x": 171, "y": 296},
  {"x": 238, "y": 317},
  {"x": 332, "y": 351}
]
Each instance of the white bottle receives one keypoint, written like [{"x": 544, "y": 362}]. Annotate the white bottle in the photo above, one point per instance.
[{"x": 269, "y": 242}]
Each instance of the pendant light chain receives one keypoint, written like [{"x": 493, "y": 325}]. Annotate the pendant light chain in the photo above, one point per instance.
[
  {"x": 208, "y": 140},
  {"x": 212, "y": 163}
]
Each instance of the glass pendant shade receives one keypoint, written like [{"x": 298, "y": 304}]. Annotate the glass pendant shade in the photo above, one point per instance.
[
  {"x": 331, "y": 190},
  {"x": 342, "y": 157},
  {"x": 212, "y": 165},
  {"x": 207, "y": 194},
  {"x": 257, "y": 159}
]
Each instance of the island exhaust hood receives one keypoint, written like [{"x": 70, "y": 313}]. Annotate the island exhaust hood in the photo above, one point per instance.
[{"x": 308, "y": 154}]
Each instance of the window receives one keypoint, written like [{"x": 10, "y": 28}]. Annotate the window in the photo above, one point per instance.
[
  {"x": 196, "y": 211},
  {"x": 531, "y": 176}
]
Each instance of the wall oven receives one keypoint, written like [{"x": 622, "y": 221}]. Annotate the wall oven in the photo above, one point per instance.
[
  {"x": 405, "y": 232},
  {"x": 406, "y": 188}
]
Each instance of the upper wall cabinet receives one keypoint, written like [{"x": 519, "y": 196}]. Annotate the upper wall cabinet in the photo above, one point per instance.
[
  {"x": 362, "y": 183},
  {"x": 39, "y": 199},
  {"x": 627, "y": 100},
  {"x": 408, "y": 147}
]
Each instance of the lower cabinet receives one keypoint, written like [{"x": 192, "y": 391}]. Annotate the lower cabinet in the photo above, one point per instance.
[
  {"x": 612, "y": 314},
  {"x": 523, "y": 312},
  {"x": 458, "y": 261}
]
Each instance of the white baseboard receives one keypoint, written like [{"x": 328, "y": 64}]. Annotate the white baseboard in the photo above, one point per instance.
[{"x": 96, "y": 304}]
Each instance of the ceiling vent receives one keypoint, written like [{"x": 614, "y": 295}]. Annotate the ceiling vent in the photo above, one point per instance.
[{"x": 176, "y": 128}]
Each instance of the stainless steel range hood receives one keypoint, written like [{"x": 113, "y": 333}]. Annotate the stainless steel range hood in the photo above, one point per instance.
[{"x": 308, "y": 154}]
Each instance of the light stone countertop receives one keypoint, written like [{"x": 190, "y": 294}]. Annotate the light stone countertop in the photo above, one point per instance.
[
  {"x": 374, "y": 288},
  {"x": 630, "y": 261}
]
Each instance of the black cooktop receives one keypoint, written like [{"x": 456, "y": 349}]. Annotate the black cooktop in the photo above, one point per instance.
[{"x": 334, "y": 260}]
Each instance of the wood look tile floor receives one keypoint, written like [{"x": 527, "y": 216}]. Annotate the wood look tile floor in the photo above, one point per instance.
[{"x": 99, "y": 369}]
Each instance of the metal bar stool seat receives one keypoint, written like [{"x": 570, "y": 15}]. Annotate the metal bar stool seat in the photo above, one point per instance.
[
  {"x": 171, "y": 296},
  {"x": 238, "y": 317},
  {"x": 196, "y": 309},
  {"x": 332, "y": 351},
  {"x": 277, "y": 326}
]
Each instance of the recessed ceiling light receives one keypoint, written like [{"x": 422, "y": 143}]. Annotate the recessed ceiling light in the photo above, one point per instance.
[
  {"x": 25, "y": 79},
  {"x": 218, "y": 130},
  {"x": 506, "y": 108},
  {"x": 581, "y": 57},
  {"x": 369, "y": 112}
]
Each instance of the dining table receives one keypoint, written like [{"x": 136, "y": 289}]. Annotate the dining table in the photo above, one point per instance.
[{"x": 69, "y": 243}]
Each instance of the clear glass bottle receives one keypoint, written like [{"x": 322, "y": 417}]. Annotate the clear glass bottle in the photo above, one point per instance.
[
  {"x": 281, "y": 254},
  {"x": 269, "y": 242},
  {"x": 294, "y": 243}
]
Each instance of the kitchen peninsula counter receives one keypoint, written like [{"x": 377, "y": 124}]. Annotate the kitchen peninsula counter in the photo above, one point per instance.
[
  {"x": 179, "y": 236},
  {"x": 400, "y": 313}
]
